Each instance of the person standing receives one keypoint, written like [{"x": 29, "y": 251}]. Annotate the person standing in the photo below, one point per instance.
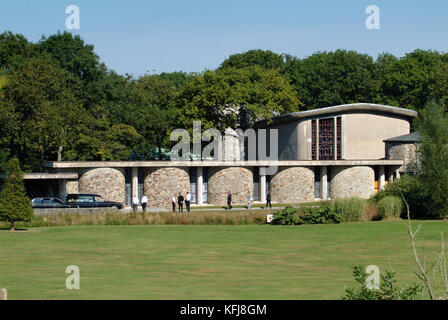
[
  {"x": 144, "y": 202},
  {"x": 180, "y": 202},
  {"x": 229, "y": 200},
  {"x": 187, "y": 201},
  {"x": 173, "y": 202},
  {"x": 249, "y": 201},
  {"x": 268, "y": 199},
  {"x": 135, "y": 204}
]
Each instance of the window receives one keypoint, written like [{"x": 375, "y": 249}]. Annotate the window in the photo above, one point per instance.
[
  {"x": 339, "y": 138},
  {"x": 313, "y": 140},
  {"x": 326, "y": 139}
]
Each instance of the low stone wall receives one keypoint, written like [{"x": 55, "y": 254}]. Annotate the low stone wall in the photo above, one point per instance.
[
  {"x": 293, "y": 185},
  {"x": 403, "y": 151},
  {"x": 356, "y": 181},
  {"x": 237, "y": 180},
  {"x": 161, "y": 184},
  {"x": 107, "y": 182}
]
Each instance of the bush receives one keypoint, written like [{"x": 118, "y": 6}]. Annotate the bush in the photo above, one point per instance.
[
  {"x": 351, "y": 209},
  {"x": 414, "y": 193},
  {"x": 323, "y": 214},
  {"x": 390, "y": 207},
  {"x": 388, "y": 288}
]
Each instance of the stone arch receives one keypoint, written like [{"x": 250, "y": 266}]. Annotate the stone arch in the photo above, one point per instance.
[
  {"x": 107, "y": 182},
  {"x": 293, "y": 185},
  {"x": 162, "y": 183},
  {"x": 357, "y": 181},
  {"x": 238, "y": 180}
]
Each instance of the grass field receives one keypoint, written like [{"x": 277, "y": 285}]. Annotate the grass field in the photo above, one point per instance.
[{"x": 205, "y": 262}]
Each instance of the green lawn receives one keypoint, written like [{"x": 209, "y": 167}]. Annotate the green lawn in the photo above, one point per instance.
[{"x": 205, "y": 262}]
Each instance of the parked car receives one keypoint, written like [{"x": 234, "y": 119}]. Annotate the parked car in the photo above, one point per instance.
[
  {"x": 88, "y": 200},
  {"x": 44, "y": 203}
]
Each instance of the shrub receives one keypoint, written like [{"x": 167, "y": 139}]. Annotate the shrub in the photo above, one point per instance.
[
  {"x": 388, "y": 288},
  {"x": 414, "y": 193},
  {"x": 390, "y": 207},
  {"x": 351, "y": 209},
  {"x": 323, "y": 214}
]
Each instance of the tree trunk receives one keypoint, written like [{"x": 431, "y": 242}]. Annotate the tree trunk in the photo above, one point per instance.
[{"x": 12, "y": 226}]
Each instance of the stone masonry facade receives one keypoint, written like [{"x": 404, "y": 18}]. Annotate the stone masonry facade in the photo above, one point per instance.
[
  {"x": 292, "y": 185},
  {"x": 161, "y": 184},
  {"x": 237, "y": 180},
  {"x": 357, "y": 181},
  {"x": 107, "y": 182},
  {"x": 403, "y": 151}
]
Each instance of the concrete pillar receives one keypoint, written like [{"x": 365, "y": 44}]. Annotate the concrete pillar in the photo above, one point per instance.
[
  {"x": 323, "y": 183},
  {"x": 382, "y": 178},
  {"x": 134, "y": 182},
  {"x": 262, "y": 187},
  {"x": 397, "y": 174},
  {"x": 62, "y": 189},
  {"x": 199, "y": 185}
]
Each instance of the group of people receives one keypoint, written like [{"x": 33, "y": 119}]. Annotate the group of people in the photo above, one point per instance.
[
  {"x": 180, "y": 202},
  {"x": 180, "y": 199},
  {"x": 135, "y": 203},
  {"x": 249, "y": 200}
]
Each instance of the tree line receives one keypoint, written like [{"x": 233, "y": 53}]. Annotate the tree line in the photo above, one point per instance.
[{"x": 58, "y": 100}]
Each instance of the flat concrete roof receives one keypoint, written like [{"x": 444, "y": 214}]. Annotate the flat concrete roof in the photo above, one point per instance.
[
  {"x": 286, "y": 163},
  {"x": 345, "y": 108},
  {"x": 46, "y": 176}
]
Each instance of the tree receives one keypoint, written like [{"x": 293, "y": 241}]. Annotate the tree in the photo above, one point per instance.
[
  {"x": 262, "y": 58},
  {"x": 14, "y": 203},
  {"x": 216, "y": 97},
  {"x": 433, "y": 150},
  {"x": 332, "y": 78},
  {"x": 413, "y": 80}
]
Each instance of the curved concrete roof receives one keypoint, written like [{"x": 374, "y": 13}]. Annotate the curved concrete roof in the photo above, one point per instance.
[{"x": 345, "y": 108}]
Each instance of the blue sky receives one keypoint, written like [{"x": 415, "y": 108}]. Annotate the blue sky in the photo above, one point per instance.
[{"x": 137, "y": 36}]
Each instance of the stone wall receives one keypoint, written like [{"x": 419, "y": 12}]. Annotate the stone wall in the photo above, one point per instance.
[
  {"x": 106, "y": 182},
  {"x": 403, "y": 151},
  {"x": 293, "y": 185},
  {"x": 237, "y": 180},
  {"x": 71, "y": 186},
  {"x": 356, "y": 181},
  {"x": 161, "y": 184}
]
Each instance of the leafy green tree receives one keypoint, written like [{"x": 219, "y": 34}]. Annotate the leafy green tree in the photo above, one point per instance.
[
  {"x": 14, "y": 203},
  {"x": 332, "y": 78},
  {"x": 262, "y": 58},
  {"x": 413, "y": 80},
  {"x": 13, "y": 48},
  {"x": 216, "y": 97},
  {"x": 433, "y": 149}
]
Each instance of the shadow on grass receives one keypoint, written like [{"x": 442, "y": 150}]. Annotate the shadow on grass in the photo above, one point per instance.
[{"x": 15, "y": 229}]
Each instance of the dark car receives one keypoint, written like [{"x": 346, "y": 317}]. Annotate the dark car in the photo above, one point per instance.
[
  {"x": 88, "y": 200},
  {"x": 45, "y": 203}
]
